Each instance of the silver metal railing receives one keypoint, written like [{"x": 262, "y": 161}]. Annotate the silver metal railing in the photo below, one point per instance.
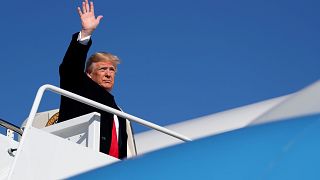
[
  {"x": 100, "y": 106},
  {"x": 10, "y": 126}
]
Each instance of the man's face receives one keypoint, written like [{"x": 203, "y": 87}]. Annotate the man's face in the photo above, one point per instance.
[{"x": 103, "y": 73}]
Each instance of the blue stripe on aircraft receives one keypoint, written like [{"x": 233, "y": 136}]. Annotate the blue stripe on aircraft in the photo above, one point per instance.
[{"x": 280, "y": 150}]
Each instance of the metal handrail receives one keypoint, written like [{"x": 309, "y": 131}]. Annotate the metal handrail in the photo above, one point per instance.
[
  {"x": 10, "y": 126},
  {"x": 97, "y": 105}
]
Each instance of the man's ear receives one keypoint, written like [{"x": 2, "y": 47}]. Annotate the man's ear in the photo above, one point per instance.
[{"x": 88, "y": 74}]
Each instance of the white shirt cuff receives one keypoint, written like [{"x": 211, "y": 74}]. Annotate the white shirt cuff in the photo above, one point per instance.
[{"x": 83, "y": 41}]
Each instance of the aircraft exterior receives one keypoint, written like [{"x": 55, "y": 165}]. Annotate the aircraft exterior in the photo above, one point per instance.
[{"x": 272, "y": 139}]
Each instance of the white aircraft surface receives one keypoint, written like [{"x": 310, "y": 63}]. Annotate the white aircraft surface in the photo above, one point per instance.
[{"x": 71, "y": 148}]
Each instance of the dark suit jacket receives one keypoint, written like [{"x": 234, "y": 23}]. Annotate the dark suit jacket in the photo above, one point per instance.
[{"x": 74, "y": 79}]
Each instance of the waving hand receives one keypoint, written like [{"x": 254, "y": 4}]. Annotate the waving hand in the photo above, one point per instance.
[{"x": 88, "y": 20}]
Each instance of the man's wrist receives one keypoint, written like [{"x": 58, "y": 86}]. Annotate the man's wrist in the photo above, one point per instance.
[
  {"x": 83, "y": 39},
  {"x": 86, "y": 32}
]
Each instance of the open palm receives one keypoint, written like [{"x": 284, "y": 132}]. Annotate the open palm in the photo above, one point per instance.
[{"x": 88, "y": 20}]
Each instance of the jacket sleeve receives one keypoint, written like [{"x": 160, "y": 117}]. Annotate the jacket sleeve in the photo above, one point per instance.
[{"x": 72, "y": 67}]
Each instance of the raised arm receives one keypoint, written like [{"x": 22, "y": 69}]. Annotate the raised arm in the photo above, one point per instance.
[
  {"x": 73, "y": 64},
  {"x": 88, "y": 20}
]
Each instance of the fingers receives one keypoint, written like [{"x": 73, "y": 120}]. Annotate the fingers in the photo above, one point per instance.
[
  {"x": 91, "y": 7},
  {"x": 99, "y": 18},
  {"x": 87, "y": 6},
  {"x": 84, "y": 7},
  {"x": 79, "y": 11}
]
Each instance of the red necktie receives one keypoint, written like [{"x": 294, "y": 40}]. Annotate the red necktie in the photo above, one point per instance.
[{"x": 114, "y": 149}]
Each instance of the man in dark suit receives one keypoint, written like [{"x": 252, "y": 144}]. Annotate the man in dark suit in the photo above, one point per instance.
[{"x": 95, "y": 83}]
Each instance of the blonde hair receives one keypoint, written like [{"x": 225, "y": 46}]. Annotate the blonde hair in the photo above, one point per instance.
[{"x": 99, "y": 57}]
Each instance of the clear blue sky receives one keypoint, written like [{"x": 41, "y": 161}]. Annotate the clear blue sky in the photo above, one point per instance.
[{"x": 181, "y": 59}]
